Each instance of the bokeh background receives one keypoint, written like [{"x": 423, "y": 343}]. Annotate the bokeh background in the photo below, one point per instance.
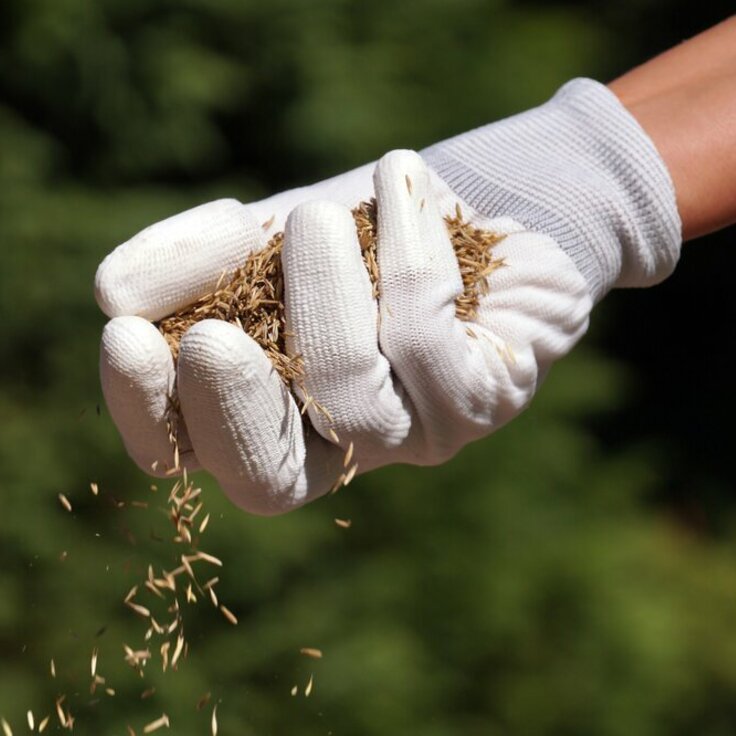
[{"x": 573, "y": 575}]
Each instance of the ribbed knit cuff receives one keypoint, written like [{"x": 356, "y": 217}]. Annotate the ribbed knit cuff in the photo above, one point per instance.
[{"x": 581, "y": 169}]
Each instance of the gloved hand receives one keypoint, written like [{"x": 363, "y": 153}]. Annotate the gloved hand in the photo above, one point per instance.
[{"x": 585, "y": 203}]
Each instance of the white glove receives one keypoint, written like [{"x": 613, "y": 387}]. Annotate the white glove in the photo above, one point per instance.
[{"x": 411, "y": 384}]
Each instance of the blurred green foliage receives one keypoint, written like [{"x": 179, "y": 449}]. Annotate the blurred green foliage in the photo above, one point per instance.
[{"x": 533, "y": 586}]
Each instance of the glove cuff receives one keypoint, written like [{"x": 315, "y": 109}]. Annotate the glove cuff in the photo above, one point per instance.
[{"x": 581, "y": 169}]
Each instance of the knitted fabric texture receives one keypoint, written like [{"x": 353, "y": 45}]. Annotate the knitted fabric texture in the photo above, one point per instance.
[{"x": 581, "y": 169}]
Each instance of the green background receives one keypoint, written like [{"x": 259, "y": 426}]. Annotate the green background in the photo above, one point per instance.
[{"x": 573, "y": 575}]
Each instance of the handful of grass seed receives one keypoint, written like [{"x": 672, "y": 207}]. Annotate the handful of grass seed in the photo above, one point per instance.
[{"x": 253, "y": 296}]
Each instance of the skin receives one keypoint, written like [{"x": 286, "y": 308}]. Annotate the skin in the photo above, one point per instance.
[{"x": 685, "y": 99}]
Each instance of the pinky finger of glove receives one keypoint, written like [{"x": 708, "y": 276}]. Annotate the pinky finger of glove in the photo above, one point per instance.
[
  {"x": 245, "y": 425},
  {"x": 137, "y": 375}
]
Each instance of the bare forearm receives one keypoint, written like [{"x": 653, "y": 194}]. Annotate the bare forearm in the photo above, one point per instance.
[{"x": 685, "y": 99}]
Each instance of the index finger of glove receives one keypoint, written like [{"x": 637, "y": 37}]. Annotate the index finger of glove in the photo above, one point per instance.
[{"x": 177, "y": 260}]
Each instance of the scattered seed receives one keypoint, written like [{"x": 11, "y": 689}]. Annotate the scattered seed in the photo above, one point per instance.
[
  {"x": 165, "y": 655},
  {"x": 93, "y": 663},
  {"x": 177, "y": 651},
  {"x": 311, "y": 652},
  {"x": 52, "y": 667},
  {"x": 266, "y": 225},
  {"x": 148, "y": 693},
  {"x": 308, "y": 688},
  {"x": 214, "y": 720},
  {"x": 229, "y": 615},
  {"x": 344, "y": 523},
  {"x": 350, "y": 474},
  {"x": 208, "y": 558},
  {"x": 6, "y": 728},
  {"x": 204, "y": 523},
  {"x": 408, "y": 183},
  {"x": 31, "y": 720},
  {"x": 348, "y": 455},
  {"x": 210, "y": 583},
  {"x": 65, "y": 502},
  {"x": 140, "y": 610},
  {"x": 95, "y": 489},
  {"x": 294, "y": 690},
  {"x": 203, "y": 701},
  {"x": 158, "y": 723},
  {"x": 43, "y": 724},
  {"x": 60, "y": 711}
]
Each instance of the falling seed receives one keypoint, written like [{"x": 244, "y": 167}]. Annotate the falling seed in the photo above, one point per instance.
[
  {"x": 213, "y": 598},
  {"x": 131, "y": 732},
  {"x": 308, "y": 688},
  {"x": 348, "y": 455},
  {"x": 6, "y": 728},
  {"x": 350, "y": 474},
  {"x": 177, "y": 651},
  {"x": 158, "y": 723},
  {"x": 333, "y": 436},
  {"x": 63, "y": 556},
  {"x": 203, "y": 701},
  {"x": 294, "y": 690},
  {"x": 214, "y": 720},
  {"x": 344, "y": 523},
  {"x": 53, "y": 668},
  {"x": 229, "y": 615},
  {"x": 148, "y": 693},
  {"x": 311, "y": 652},
  {"x": 140, "y": 610},
  {"x": 110, "y": 691},
  {"x": 95, "y": 682},
  {"x": 187, "y": 566},
  {"x": 95, "y": 489},
  {"x": 408, "y": 183},
  {"x": 208, "y": 558},
  {"x": 65, "y": 502},
  {"x": 165, "y": 655},
  {"x": 266, "y": 225},
  {"x": 43, "y": 724},
  {"x": 204, "y": 523},
  {"x": 31, "y": 720},
  {"x": 93, "y": 663},
  {"x": 152, "y": 587},
  {"x": 60, "y": 711}
]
